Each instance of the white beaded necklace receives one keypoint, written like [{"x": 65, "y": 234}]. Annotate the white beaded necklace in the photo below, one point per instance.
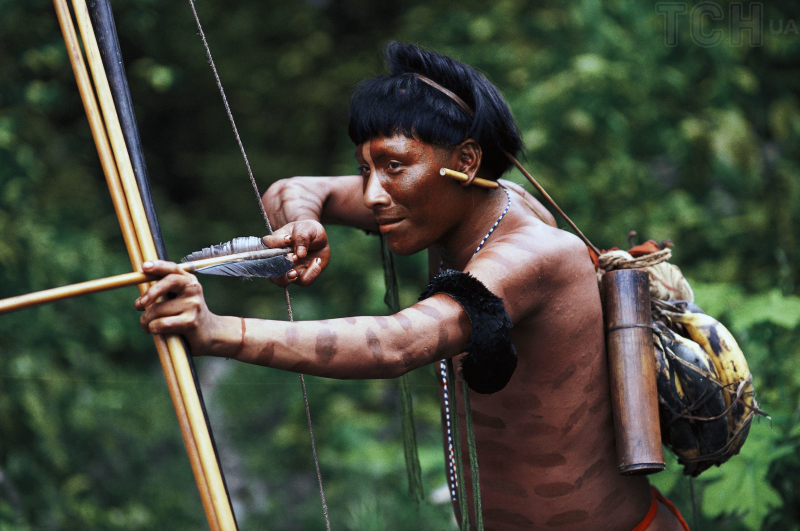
[{"x": 451, "y": 458}]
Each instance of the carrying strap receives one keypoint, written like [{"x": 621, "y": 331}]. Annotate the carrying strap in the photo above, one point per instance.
[{"x": 410, "y": 449}]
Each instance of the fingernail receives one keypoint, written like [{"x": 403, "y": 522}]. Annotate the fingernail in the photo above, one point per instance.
[
  {"x": 147, "y": 265},
  {"x": 292, "y": 273},
  {"x": 287, "y": 239},
  {"x": 144, "y": 300},
  {"x": 318, "y": 261}
]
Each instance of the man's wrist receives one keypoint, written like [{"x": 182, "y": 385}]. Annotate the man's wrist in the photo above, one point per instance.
[
  {"x": 224, "y": 337},
  {"x": 297, "y": 204}
]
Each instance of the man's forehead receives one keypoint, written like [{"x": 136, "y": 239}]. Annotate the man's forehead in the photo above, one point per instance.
[
  {"x": 363, "y": 152},
  {"x": 379, "y": 145}
]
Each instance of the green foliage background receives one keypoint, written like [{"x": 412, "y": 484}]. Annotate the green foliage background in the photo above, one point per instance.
[{"x": 696, "y": 144}]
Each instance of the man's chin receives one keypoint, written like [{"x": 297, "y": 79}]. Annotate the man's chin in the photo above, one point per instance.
[{"x": 403, "y": 246}]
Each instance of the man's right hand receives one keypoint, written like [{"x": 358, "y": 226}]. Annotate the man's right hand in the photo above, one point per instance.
[{"x": 309, "y": 243}]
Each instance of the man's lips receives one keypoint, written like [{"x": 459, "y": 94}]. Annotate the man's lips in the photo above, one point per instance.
[{"x": 386, "y": 223}]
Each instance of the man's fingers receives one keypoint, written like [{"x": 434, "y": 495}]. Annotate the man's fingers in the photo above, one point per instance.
[
  {"x": 311, "y": 273},
  {"x": 165, "y": 269},
  {"x": 164, "y": 309},
  {"x": 301, "y": 236},
  {"x": 173, "y": 324},
  {"x": 161, "y": 267},
  {"x": 310, "y": 254},
  {"x": 286, "y": 279},
  {"x": 172, "y": 283},
  {"x": 298, "y": 240},
  {"x": 277, "y": 239}
]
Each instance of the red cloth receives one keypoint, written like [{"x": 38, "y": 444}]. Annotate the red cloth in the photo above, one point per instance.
[
  {"x": 650, "y": 246},
  {"x": 651, "y": 513}
]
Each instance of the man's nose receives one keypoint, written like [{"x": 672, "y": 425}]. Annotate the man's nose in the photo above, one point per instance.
[{"x": 374, "y": 193}]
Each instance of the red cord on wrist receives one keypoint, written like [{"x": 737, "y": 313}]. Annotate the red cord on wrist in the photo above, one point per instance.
[{"x": 241, "y": 343}]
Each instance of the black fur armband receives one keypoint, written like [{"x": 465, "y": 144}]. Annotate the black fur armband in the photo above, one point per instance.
[{"x": 491, "y": 358}]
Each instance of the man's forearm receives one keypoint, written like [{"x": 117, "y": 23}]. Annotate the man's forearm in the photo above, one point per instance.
[
  {"x": 292, "y": 199},
  {"x": 336, "y": 200},
  {"x": 354, "y": 347}
]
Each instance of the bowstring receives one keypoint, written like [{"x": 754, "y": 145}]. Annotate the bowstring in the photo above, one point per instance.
[{"x": 269, "y": 228}]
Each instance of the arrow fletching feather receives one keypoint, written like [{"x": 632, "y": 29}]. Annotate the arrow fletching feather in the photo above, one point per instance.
[{"x": 254, "y": 259}]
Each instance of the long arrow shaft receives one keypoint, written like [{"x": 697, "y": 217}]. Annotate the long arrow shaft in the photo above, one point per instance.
[{"x": 29, "y": 300}]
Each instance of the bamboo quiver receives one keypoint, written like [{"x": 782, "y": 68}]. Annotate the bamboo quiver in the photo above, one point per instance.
[{"x": 632, "y": 372}]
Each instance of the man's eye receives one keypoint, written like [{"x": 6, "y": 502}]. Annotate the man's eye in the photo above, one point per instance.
[
  {"x": 394, "y": 165},
  {"x": 363, "y": 170}
]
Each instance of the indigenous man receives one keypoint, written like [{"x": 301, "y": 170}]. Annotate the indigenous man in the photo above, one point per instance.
[{"x": 544, "y": 435}]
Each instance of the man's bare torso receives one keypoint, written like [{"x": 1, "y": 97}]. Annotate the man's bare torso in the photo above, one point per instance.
[
  {"x": 546, "y": 441},
  {"x": 546, "y": 450}
]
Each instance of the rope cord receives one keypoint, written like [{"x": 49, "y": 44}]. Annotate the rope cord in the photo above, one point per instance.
[
  {"x": 230, "y": 116},
  {"x": 269, "y": 229},
  {"x": 613, "y": 260},
  {"x": 473, "y": 458},
  {"x": 410, "y": 450}
]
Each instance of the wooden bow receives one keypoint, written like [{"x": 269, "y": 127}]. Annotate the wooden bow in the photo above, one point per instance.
[{"x": 141, "y": 237}]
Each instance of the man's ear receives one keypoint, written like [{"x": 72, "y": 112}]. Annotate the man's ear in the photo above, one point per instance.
[{"x": 469, "y": 157}]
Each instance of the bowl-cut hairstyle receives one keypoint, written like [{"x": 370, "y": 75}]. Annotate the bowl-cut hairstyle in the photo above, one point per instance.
[{"x": 401, "y": 103}]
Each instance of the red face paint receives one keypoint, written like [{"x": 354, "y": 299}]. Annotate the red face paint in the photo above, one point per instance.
[{"x": 413, "y": 205}]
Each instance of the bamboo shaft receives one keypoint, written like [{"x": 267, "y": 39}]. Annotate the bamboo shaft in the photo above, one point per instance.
[
  {"x": 114, "y": 131},
  {"x": 463, "y": 177},
  {"x": 173, "y": 358},
  {"x": 13, "y": 304},
  {"x": 187, "y": 432},
  {"x": 98, "y": 131},
  {"x": 131, "y": 243},
  {"x": 29, "y": 300}
]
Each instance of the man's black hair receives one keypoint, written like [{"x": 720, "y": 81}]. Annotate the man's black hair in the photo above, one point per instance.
[{"x": 400, "y": 103}]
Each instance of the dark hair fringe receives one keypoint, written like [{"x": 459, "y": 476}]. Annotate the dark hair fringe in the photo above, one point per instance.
[{"x": 399, "y": 103}]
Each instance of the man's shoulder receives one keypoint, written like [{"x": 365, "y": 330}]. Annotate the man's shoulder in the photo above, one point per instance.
[
  {"x": 526, "y": 202},
  {"x": 541, "y": 248},
  {"x": 531, "y": 264}
]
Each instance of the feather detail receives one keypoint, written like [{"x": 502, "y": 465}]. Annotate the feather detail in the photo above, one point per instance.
[
  {"x": 252, "y": 259},
  {"x": 276, "y": 266},
  {"x": 235, "y": 246}
]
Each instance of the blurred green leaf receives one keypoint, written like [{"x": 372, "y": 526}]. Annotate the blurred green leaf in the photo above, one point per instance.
[
  {"x": 695, "y": 144},
  {"x": 740, "y": 487}
]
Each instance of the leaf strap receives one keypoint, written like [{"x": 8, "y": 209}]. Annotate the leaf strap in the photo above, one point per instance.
[{"x": 410, "y": 451}]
